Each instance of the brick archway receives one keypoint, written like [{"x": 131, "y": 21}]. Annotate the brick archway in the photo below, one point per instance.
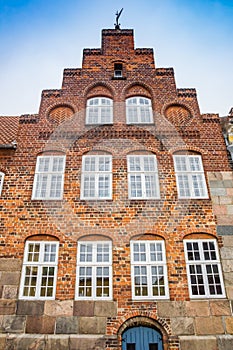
[{"x": 143, "y": 321}]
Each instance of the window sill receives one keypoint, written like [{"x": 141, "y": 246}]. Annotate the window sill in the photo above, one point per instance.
[
  {"x": 118, "y": 78},
  {"x": 97, "y": 124},
  {"x": 47, "y": 199},
  {"x": 150, "y": 299},
  {"x": 139, "y": 123},
  {"x": 193, "y": 198}
]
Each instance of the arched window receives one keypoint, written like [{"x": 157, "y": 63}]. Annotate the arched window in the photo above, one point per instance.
[
  {"x": 99, "y": 111},
  {"x": 143, "y": 181},
  {"x": 94, "y": 270},
  {"x": 149, "y": 270},
  {"x": 203, "y": 268},
  {"x": 190, "y": 177},
  {"x": 39, "y": 271},
  {"x": 49, "y": 177},
  {"x": 96, "y": 181},
  {"x": 139, "y": 110},
  {"x": 1, "y": 181}
]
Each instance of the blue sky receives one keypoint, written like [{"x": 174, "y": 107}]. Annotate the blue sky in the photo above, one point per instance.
[{"x": 39, "y": 38}]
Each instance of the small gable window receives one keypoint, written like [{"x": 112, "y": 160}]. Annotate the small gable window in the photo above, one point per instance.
[{"x": 118, "y": 70}]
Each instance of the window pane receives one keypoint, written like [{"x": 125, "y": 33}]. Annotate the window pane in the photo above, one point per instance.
[
  {"x": 33, "y": 252},
  {"x": 102, "y": 253},
  {"x": 140, "y": 281},
  {"x": 150, "y": 185},
  {"x": 183, "y": 185},
  {"x": 56, "y": 186},
  {"x": 47, "y": 281},
  {"x": 43, "y": 165},
  {"x": 86, "y": 252},
  {"x": 136, "y": 185},
  {"x": 30, "y": 281},
  {"x": 50, "y": 252},
  {"x": 195, "y": 163},
  {"x": 139, "y": 251},
  {"x": 156, "y": 252},
  {"x": 158, "y": 282},
  {"x": 104, "y": 186},
  {"x": 102, "y": 282},
  {"x": 85, "y": 282}
]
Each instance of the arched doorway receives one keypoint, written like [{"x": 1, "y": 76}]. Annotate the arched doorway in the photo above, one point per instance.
[{"x": 141, "y": 338}]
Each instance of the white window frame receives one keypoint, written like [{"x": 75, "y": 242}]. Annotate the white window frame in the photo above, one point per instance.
[
  {"x": 91, "y": 264},
  {"x": 93, "y": 176},
  {"x": 190, "y": 180},
  {"x": 197, "y": 265},
  {"x": 32, "y": 271},
  {"x": 146, "y": 263},
  {"x": 102, "y": 110},
  {"x": 139, "y": 110},
  {"x": 44, "y": 189},
  {"x": 143, "y": 177},
  {"x": 2, "y": 175}
]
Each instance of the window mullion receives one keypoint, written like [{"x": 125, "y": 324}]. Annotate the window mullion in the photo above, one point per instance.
[
  {"x": 190, "y": 184},
  {"x": 97, "y": 185},
  {"x": 149, "y": 280},
  {"x": 205, "y": 278},
  {"x": 38, "y": 281},
  {"x": 99, "y": 121},
  {"x": 48, "y": 185},
  {"x": 142, "y": 176},
  {"x": 93, "y": 282}
]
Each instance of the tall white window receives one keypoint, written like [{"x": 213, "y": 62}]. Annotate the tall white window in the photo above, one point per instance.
[
  {"x": 96, "y": 182},
  {"x": 1, "y": 181},
  {"x": 190, "y": 178},
  {"x": 39, "y": 272},
  {"x": 143, "y": 181},
  {"x": 49, "y": 177},
  {"x": 139, "y": 110},
  {"x": 203, "y": 269},
  {"x": 94, "y": 270},
  {"x": 99, "y": 111},
  {"x": 149, "y": 270}
]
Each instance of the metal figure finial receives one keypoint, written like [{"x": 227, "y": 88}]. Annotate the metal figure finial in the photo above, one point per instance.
[{"x": 117, "y": 24}]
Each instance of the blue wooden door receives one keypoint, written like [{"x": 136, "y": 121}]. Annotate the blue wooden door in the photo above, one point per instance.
[{"x": 141, "y": 338}]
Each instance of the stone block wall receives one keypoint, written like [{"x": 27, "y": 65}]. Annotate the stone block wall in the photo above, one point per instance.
[{"x": 221, "y": 189}]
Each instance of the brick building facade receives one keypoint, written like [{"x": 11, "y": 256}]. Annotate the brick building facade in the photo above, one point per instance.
[{"x": 115, "y": 213}]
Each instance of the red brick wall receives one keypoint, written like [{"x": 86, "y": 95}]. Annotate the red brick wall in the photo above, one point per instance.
[{"x": 120, "y": 219}]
